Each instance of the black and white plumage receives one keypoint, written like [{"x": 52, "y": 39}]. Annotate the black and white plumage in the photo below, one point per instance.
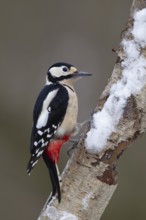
[{"x": 54, "y": 118}]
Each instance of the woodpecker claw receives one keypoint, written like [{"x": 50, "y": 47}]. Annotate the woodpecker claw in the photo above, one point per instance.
[
  {"x": 71, "y": 149},
  {"x": 78, "y": 128},
  {"x": 75, "y": 141},
  {"x": 82, "y": 124}
]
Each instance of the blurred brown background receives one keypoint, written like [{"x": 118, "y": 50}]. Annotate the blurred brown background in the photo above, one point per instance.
[{"x": 35, "y": 34}]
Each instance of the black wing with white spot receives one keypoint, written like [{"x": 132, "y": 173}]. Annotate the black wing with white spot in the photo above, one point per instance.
[{"x": 49, "y": 111}]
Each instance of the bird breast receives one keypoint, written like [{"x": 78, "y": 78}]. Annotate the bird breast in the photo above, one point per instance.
[{"x": 69, "y": 122}]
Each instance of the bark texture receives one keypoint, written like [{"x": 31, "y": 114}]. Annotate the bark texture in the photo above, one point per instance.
[{"x": 89, "y": 181}]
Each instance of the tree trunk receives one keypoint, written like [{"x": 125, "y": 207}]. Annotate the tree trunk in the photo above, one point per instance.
[{"x": 89, "y": 180}]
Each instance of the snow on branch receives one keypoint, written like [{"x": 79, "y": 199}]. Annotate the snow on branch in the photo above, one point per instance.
[
  {"x": 132, "y": 81},
  {"x": 53, "y": 214}
]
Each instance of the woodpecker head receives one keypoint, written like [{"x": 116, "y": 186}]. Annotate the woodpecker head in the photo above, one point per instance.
[{"x": 64, "y": 72}]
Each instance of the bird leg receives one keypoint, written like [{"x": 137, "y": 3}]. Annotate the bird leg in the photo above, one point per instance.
[
  {"x": 77, "y": 131},
  {"x": 79, "y": 127}
]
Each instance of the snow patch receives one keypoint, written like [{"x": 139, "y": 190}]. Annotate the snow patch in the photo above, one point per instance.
[
  {"x": 86, "y": 200},
  {"x": 53, "y": 214},
  {"x": 139, "y": 29},
  {"x": 131, "y": 83}
]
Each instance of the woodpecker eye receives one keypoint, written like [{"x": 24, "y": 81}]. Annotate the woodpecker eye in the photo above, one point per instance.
[{"x": 65, "y": 69}]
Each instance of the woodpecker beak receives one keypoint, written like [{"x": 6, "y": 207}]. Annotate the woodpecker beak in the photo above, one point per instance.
[{"x": 80, "y": 74}]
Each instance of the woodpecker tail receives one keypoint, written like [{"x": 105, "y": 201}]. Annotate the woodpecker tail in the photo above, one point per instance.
[
  {"x": 54, "y": 176},
  {"x": 36, "y": 153}
]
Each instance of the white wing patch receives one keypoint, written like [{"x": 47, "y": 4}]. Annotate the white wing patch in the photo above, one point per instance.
[{"x": 43, "y": 117}]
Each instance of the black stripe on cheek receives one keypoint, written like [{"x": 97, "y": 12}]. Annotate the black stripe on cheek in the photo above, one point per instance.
[{"x": 57, "y": 79}]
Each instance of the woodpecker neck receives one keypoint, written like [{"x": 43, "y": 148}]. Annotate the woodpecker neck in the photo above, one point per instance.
[
  {"x": 67, "y": 83},
  {"x": 70, "y": 87}
]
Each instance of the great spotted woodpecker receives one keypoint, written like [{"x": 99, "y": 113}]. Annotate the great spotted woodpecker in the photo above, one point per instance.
[{"x": 54, "y": 119}]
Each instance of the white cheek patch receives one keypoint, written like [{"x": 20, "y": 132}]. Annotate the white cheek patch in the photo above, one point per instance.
[
  {"x": 58, "y": 71},
  {"x": 55, "y": 71}
]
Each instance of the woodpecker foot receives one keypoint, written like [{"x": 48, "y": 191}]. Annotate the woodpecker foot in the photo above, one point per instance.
[
  {"x": 71, "y": 149},
  {"x": 79, "y": 127},
  {"x": 75, "y": 141},
  {"x": 77, "y": 132},
  {"x": 82, "y": 124}
]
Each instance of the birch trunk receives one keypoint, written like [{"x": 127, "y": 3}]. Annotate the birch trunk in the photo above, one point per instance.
[{"x": 89, "y": 181}]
